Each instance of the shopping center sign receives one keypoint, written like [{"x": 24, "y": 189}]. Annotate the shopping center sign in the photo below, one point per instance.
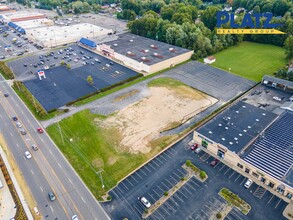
[{"x": 251, "y": 24}]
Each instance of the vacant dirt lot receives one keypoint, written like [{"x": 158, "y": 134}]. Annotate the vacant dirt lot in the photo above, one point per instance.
[{"x": 141, "y": 122}]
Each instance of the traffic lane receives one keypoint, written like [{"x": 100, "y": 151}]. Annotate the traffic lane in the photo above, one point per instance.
[
  {"x": 41, "y": 160},
  {"x": 27, "y": 167},
  {"x": 90, "y": 206}
]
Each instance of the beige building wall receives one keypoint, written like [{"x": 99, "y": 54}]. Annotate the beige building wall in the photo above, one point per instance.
[{"x": 235, "y": 162}]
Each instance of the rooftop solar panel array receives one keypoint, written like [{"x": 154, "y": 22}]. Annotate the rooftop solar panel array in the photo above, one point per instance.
[
  {"x": 237, "y": 126},
  {"x": 273, "y": 151}
]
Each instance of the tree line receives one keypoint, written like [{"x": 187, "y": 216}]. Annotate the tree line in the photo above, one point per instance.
[{"x": 185, "y": 25}]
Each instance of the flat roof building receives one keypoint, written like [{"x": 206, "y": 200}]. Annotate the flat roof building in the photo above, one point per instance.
[
  {"x": 36, "y": 23},
  {"x": 21, "y": 16},
  {"x": 254, "y": 142},
  {"x": 55, "y": 35},
  {"x": 144, "y": 54}
]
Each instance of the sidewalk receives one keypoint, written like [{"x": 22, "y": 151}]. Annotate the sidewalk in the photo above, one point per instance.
[
  {"x": 7, "y": 205},
  {"x": 16, "y": 186}
]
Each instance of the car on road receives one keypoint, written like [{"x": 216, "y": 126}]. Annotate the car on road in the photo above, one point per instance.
[
  {"x": 22, "y": 131},
  {"x": 194, "y": 146},
  {"x": 40, "y": 130},
  {"x": 18, "y": 124},
  {"x": 74, "y": 217},
  {"x": 28, "y": 154},
  {"x": 6, "y": 94},
  {"x": 14, "y": 118},
  {"x": 34, "y": 147},
  {"x": 51, "y": 196},
  {"x": 214, "y": 162},
  {"x": 248, "y": 183},
  {"x": 145, "y": 202}
]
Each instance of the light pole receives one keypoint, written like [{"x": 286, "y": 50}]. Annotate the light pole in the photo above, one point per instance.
[{"x": 100, "y": 172}]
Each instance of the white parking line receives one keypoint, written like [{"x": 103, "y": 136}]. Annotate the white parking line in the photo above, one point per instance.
[
  {"x": 134, "y": 179},
  {"x": 142, "y": 171},
  {"x": 164, "y": 157},
  {"x": 161, "y": 189},
  {"x": 157, "y": 193},
  {"x": 124, "y": 185},
  {"x": 177, "y": 197},
  {"x": 147, "y": 169},
  {"x": 160, "y": 214},
  {"x": 187, "y": 189},
  {"x": 173, "y": 178},
  {"x": 237, "y": 177},
  {"x": 151, "y": 196},
  {"x": 180, "y": 172},
  {"x": 171, "y": 151},
  {"x": 129, "y": 182},
  {"x": 155, "y": 163},
  {"x": 227, "y": 171},
  {"x": 271, "y": 199},
  {"x": 138, "y": 175},
  {"x": 167, "y": 154},
  {"x": 236, "y": 215},
  {"x": 232, "y": 174},
  {"x": 169, "y": 182},
  {"x": 180, "y": 191},
  {"x": 221, "y": 168},
  {"x": 167, "y": 203},
  {"x": 164, "y": 185},
  {"x": 278, "y": 203},
  {"x": 177, "y": 175},
  {"x": 151, "y": 166},
  {"x": 243, "y": 181}
]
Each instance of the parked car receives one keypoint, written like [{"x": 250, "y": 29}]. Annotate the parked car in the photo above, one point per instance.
[
  {"x": 194, "y": 146},
  {"x": 214, "y": 162},
  {"x": 28, "y": 154},
  {"x": 145, "y": 202},
  {"x": 197, "y": 150},
  {"x": 248, "y": 183},
  {"x": 51, "y": 196}
]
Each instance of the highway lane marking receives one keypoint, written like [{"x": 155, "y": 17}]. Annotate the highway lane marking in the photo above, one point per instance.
[
  {"x": 11, "y": 134},
  {"x": 0, "y": 116},
  {"x": 70, "y": 180},
  {"x": 32, "y": 172},
  {"x": 82, "y": 199},
  {"x": 22, "y": 112},
  {"x": 50, "y": 152},
  {"x": 17, "y": 145},
  {"x": 42, "y": 140},
  {"x": 5, "y": 125},
  {"x": 59, "y": 165},
  {"x": 41, "y": 189},
  {"x": 51, "y": 209}
]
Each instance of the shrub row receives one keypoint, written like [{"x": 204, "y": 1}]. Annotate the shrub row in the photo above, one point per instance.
[{"x": 6, "y": 71}]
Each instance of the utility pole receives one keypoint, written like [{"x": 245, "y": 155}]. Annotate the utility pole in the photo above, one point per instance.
[
  {"x": 100, "y": 172},
  {"x": 59, "y": 128}
]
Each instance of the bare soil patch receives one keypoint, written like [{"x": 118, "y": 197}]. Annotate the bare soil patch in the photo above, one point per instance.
[{"x": 141, "y": 123}]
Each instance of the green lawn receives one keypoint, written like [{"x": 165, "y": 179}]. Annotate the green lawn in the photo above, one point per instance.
[{"x": 251, "y": 60}]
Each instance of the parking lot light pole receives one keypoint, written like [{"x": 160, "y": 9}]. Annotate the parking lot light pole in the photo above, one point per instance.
[{"x": 100, "y": 172}]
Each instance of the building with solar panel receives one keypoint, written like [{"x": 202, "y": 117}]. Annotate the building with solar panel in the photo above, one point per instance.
[{"x": 254, "y": 142}]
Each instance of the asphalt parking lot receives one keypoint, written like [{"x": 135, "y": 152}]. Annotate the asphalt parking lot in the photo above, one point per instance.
[
  {"x": 59, "y": 86},
  {"x": 5, "y": 41},
  {"x": 195, "y": 200}
]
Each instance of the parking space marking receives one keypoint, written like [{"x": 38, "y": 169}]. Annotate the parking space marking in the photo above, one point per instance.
[
  {"x": 138, "y": 175},
  {"x": 133, "y": 178},
  {"x": 147, "y": 168},
  {"x": 222, "y": 168},
  {"x": 151, "y": 165},
  {"x": 232, "y": 174},
  {"x": 155, "y": 163},
  {"x": 163, "y": 157},
  {"x": 234, "y": 213},
  {"x": 173, "y": 178},
  {"x": 227, "y": 171},
  {"x": 278, "y": 203},
  {"x": 177, "y": 175},
  {"x": 121, "y": 191},
  {"x": 177, "y": 197},
  {"x": 160, "y": 214},
  {"x": 158, "y": 158},
  {"x": 168, "y": 154},
  {"x": 243, "y": 181},
  {"x": 194, "y": 181},
  {"x": 137, "y": 210},
  {"x": 237, "y": 177},
  {"x": 171, "y": 199},
  {"x": 180, "y": 191},
  {"x": 165, "y": 185},
  {"x": 157, "y": 193},
  {"x": 124, "y": 185},
  {"x": 129, "y": 182},
  {"x": 169, "y": 182},
  {"x": 167, "y": 203},
  {"x": 185, "y": 188},
  {"x": 142, "y": 171},
  {"x": 162, "y": 207},
  {"x": 259, "y": 192},
  {"x": 161, "y": 189},
  {"x": 180, "y": 172},
  {"x": 152, "y": 197},
  {"x": 174, "y": 151},
  {"x": 271, "y": 198}
]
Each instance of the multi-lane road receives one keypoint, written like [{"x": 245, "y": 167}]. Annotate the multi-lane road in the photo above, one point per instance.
[{"x": 47, "y": 170}]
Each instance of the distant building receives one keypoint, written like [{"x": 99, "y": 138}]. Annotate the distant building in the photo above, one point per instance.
[
  {"x": 227, "y": 8},
  {"x": 209, "y": 60},
  {"x": 239, "y": 10},
  {"x": 277, "y": 83},
  {"x": 287, "y": 106},
  {"x": 290, "y": 68}
]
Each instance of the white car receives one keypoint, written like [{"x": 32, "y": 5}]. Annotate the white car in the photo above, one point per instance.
[
  {"x": 18, "y": 124},
  {"x": 248, "y": 183},
  {"x": 145, "y": 202},
  {"x": 74, "y": 217},
  {"x": 28, "y": 155}
]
